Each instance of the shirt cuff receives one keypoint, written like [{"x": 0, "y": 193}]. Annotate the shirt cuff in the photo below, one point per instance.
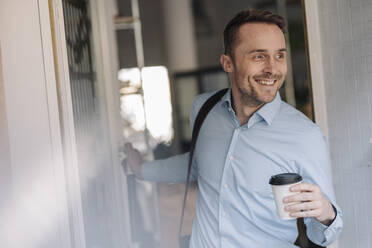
[{"x": 321, "y": 234}]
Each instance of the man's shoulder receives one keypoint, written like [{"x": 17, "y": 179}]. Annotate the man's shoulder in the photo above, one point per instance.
[
  {"x": 199, "y": 100},
  {"x": 297, "y": 122}
]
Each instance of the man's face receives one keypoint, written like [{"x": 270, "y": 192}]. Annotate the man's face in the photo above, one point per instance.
[{"x": 258, "y": 66}]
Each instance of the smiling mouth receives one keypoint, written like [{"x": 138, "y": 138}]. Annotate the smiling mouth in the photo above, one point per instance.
[{"x": 266, "y": 82}]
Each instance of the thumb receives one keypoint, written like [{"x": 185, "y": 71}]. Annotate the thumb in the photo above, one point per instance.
[{"x": 128, "y": 146}]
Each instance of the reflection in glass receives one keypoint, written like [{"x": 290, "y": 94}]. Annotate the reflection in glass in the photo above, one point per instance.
[{"x": 147, "y": 108}]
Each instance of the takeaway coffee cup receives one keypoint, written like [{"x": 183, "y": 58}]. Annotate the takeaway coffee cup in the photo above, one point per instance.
[{"x": 280, "y": 184}]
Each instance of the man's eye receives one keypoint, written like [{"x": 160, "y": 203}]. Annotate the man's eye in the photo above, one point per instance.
[
  {"x": 280, "y": 56},
  {"x": 259, "y": 57}
]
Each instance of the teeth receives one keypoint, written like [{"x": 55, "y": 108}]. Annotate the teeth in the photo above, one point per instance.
[{"x": 266, "y": 82}]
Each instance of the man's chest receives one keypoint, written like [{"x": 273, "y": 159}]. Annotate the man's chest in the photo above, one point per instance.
[{"x": 244, "y": 157}]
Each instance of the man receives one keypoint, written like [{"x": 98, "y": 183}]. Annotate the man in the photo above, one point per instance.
[{"x": 247, "y": 137}]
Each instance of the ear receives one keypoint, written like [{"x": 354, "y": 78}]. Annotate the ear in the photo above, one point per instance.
[{"x": 226, "y": 63}]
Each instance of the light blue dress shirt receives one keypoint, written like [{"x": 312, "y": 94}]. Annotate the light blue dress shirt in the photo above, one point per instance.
[{"x": 233, "y": 165}]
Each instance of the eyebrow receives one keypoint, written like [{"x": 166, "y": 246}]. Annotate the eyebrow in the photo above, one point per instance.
[{"x": 265, "y": 50}]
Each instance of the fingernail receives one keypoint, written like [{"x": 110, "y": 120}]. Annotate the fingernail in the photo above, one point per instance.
[{"x": 285, "y": 200}]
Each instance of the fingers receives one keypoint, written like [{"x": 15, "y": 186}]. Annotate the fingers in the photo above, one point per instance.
[
  {"x": 130, "y": 150},
  {"x": 308, "y": 202},
  {"x": 305, "y": 209},
  {"x": 128, "y": 146},
  {"x": 134, "y": 159},
  {"x": 304, "y": 206},
  {"x": 310, "y": 213},
  {"x": 302, "y": 197},
  {"x": 305, "y": 187}
]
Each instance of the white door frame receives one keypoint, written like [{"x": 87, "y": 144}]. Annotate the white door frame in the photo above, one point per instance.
[
  {"x": 316, "y": 63},
  {"x": 107, "y": 67},
  {"x": 55, "y": 22},
  {"x": 311, "y": 10}
]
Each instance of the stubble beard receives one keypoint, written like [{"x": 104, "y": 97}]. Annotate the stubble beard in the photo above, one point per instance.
[{"x": 249, "y": 99}]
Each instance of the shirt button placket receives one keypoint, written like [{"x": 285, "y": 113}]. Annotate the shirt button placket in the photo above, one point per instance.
[{"x": 225, "y": 187}]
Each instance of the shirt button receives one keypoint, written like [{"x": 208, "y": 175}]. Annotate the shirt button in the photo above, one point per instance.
[
  {"x": 224, "y": 240},
  {"x": 231, "y": 157},
  {"x": 223, "y": 213},
  {"x": 226, "y": 186}
]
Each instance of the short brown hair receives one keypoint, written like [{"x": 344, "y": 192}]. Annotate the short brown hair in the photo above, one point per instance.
[{"x": 248, "y": 16}]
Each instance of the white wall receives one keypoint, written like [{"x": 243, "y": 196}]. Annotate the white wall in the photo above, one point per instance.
[
  {"x": 346, "y": 45},
  {"x": 35, "y": 214}
]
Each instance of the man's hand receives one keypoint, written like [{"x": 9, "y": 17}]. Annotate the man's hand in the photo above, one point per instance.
[
  {"x": 134, "y": 159},
  {"x": 310, "y": 203}
]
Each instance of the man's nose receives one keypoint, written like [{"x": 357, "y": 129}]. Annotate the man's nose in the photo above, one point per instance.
[{"x": 270, "y": 65}]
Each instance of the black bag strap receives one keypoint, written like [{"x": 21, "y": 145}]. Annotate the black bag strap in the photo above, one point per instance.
[{"x": 202, "y": 114}]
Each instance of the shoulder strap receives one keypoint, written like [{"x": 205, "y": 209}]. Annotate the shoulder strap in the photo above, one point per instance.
[{"x": 202, "y": 114}]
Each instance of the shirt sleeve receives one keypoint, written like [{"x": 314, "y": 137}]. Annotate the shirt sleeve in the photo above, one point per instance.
[
  {"x": 174, "y": 169},
  {"x": 327, "y": 234},
  {"x": 315, "y": 168}
]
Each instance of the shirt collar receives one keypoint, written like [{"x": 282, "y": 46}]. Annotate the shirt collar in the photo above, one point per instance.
[
  {"x": 269, "y": 110},
  {"x": 226, "y": 99},
  {"x": 266, "y": 112}
]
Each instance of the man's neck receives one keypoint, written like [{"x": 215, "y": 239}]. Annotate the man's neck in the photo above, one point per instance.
[{"x": 243, "y": 112}]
